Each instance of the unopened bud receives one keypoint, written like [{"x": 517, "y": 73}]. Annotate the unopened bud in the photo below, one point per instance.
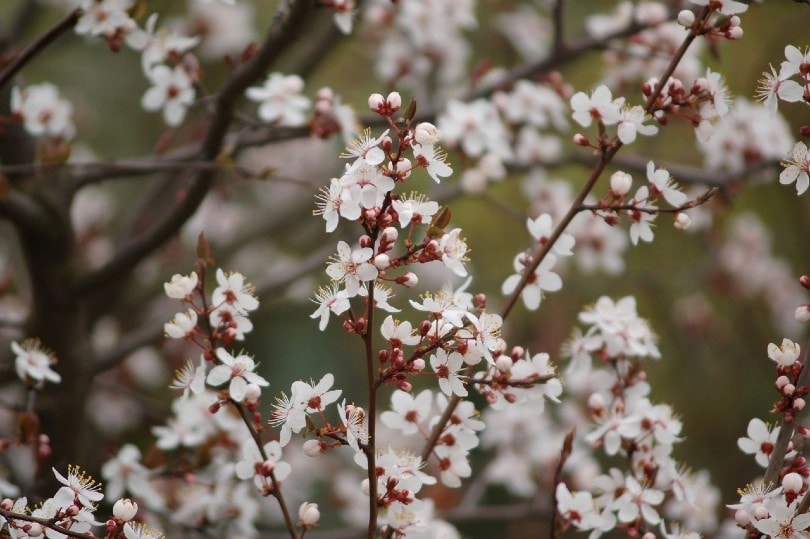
[
  {"x": 760, "y": 512},
  {"x": 648, "y": 535},
  {"x": 382, "y": 261},
  {"x": 418, "y": 364},
  {"x": 596, "y": 403},
  {"x": 390, "y": 234},
  {"x": 312, "y": 448},
  {"x": 364, "y": 487},
  {"x": 252, "y": 393},
  {"x": 781, "y": 382},
  {"x": 7, "y": 504},
  {"x": 742, "y": 518},
  {"x": 325, "y": 94},
  {"x": 792, "y": 482},
  {"x": 798, "y": 405},
  {"x": 125, "y": 509},
  {"x": 735, "y": 32},
  {"x": 405, "y": 386},
  {"x": 35, "y": 530},
  {"x": 503, "y": 364},
  {"x": 309, "y": 514},
  {"x": 682, "y": 221},
  {"x": 376, "y": 102},
  {"x": 581, "y": 140},
  {"x": 788, "y": 390},
  {"x": 517, "y": 352},
  {"x": 803, "y": 313},
  {"x": 365, "y": 241},
  {"x": 394, "y": 100},
  {"x": 426, "y": 134},
  {"x": 620, "y": 183},
  {"x": 686, "y": 18},
  {"x": 804, "y": 280},
  {"x": 409, "y": 279}
]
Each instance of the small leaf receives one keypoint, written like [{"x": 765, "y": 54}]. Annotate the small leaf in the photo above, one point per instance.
[
  {"x": 203, "y": 248},
  {"x": 441, "y": 219},
  {"x": 410, "y": 112}
]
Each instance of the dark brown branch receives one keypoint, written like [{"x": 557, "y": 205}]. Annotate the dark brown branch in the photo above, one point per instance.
[
  {"x": 285, "y": 29},
  {"x": 48, "y": 523},
  {"x": 68, "y": 22}
]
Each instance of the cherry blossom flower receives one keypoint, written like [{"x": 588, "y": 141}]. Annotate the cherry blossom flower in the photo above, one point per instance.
[
  {"x": 542, "y": 279},
  {"x": 796, "y": 169},
  {"x": 234, "y": 291},
  {"x": 638, "y": 500},
  {"x": 125, "y": 473},
  {"x": 414, "y": 208},
  {"x": 190, "y": 379},
  {"x": 181, "y": 286},
  {"x": 182, "y": 326},
  {"x": 475, "y": 127},
  {"x": 366, "y": 148},
  {"x": 364, "y": 184},
  {"x": 159, "y": 46},
  {"x": 454, "y": 251},
  {"x": 783, "y": 522},
  {"x": 785, "y": 355},
  {"x": 172, "y": 90},
  {"x": 43, "y": 111},
  {"x": 344, "y": 14},
  {"x": 773, "y": 87},
  {"x": 236, "y": 370},
  {"x": 289, "y": 413},
  {"x": 447, "y": 366},
  {"x": 353, "y": 418},
  {"x": 329, "y": 204},
  {"x": 663, "y": 183},
  {"x": 398, "y": 333},
  {"x": 140, "y": 531},
  {"x": 351, "y": 267},
  {"x": 641, "y": 227},
  {"x": 316, "y": 397},
  {"x": 760, "y": 441},
  {"x": 77, "y": 487},
  {"x": 109, "y": 18},
  {"x": 433, "y": 160},
  {"x": 407, "y": 411},
  {"x": 33, "y": 362},
  {"x": 329, "y": 300},
  {"x": 577, "y": 508},
  {"x": 541, "y": 230},
  {"x": 599, "y": 106},
  {"x": 281, "y": 100},
  {"x": 631, "y": 121},
  {"x": 227, "y": 317},
  {"x": 252, "y": 461},
  {"x": 451, "y": 306}
]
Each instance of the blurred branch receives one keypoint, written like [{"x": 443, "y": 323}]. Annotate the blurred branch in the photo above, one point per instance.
[
  {"x": 19, "y": 22},
  {"x": 558, "y": 40},
  {"x": 39, "y": 45},
  {"x": 285, "y": 29}
]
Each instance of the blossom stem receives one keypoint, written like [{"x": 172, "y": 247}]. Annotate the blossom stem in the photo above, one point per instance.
[
  {"x": 786, "y": 432},
  {"x": 371, "y": 447}
]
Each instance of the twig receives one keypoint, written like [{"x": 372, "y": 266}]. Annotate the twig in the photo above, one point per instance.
[
  {"x": 39, "y": 45},
  {"x": 48, "y": 523},
  {"x": 287, "y": 22}
]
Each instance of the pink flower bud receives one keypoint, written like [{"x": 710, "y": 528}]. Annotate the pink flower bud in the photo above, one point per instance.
[
  {"x": 682, "y": 221},
  {"x": 35, "y": 530},
  {"x": 125, "y": 509},
  {"x": 365, "y": 241},
  {"x": 323, "y": 107},
  {"x": 788, "y": 390},
  {"x": 426, "y": 134},
  {"x": 798, "y": 405},
  {"x": 394, "y": 101},
  {"x": 648, "y": 535},
  {"x": 312, "y": 448},
  {"x": 390, "y": 234},
  {"x": 503, "y": 364},
  {"x": 382, "y": 261},
  {"x": 409, "y": 279},
  {"x": 804, "y": 280},
  {"x": 581, "y": 140},
  {"x": 364, "y": 487},
  {"x": 405, "y": 386},
  {"x": 803, "y": 313},
  {"x": 376, "y": 102},
  {"x": 418, "y": 364},
  {"x": 517, "y": 352},
  {"x": 620, "y": 183},
  {"x": 792, "y": 482},
  {"x": 686, "y": 18},
  {"x": 7, "y": 504},
  {"x": 735, "y": 32},
  {"x": 267, "y": 467},
  {"x": 760, "y": 512},
  {"x": 781, "y": 382},
  {"x": 252, "y": 393},
  {"x": 309, "y": 514},
  {"x": 741, "y": 517},
  {"x": 596, "y": 403}
]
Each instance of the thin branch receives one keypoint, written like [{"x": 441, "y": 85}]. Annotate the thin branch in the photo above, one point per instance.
[
  {"x": 287, "y": 22},
  {"x": 48, "y": 523},
  {"x": 558, "y": 22},
  {"x": 39, "y": 45},
  {"x": 786, "y": 432}
]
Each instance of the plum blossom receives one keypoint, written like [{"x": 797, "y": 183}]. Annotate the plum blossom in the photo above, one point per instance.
[
  {"x": 638, "y": 500},
  {"x": 433, "y": 160},
  {"x": 407, "y": 411},
  {"x": 281, "y": 100},
  {"x": 108, "y": 18},
  {"x": 631, "y": 122},
  {"x": 599, "y": 106},
  {"x": 775, "y": 86},
  {"x": 182, "y": 326},
  {"x": 796, "y": 168},
  {"x": 453, "y": 251},
  {"x": 542, "y": 279},
  {"x": 782, "y": 521},
  {"x": 367, "y": 148},
  {"x": 475, "y": 127},
  {"x": 414, "y": 208},
  {"x": 238, "y": 371},
  {"x": 329, "y": 300},
  {"x": 663, "y": 184},
  {"x": 43, "y": 111},
  {"x": 181, "y": 286},
  {"x": 77, "y": 487},
  {"x": 172, "y": 90},
  {"x": 760, "y": 441},
  {"x": 785, "y": 355},
  {"x": 447, "y": 366},
  {"x": 352, "y": 267},
  {"x": 33, "y": 362},
  {"x": 252, "y": 462},
  {"x": 234, "y": 291}
]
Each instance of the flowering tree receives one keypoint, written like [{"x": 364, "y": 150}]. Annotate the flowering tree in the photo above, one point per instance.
[{"x": 443, "y": 412}]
